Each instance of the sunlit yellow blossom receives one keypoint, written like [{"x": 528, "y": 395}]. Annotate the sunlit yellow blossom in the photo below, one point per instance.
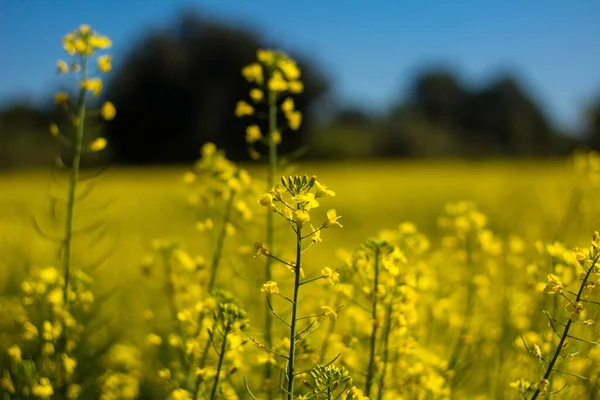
[
  {"x": 62, "y": 67},
  {"x": 100, "y": 42},
  {"x": 277, "y": 83},
  {"x": 256, "y": 94},
  {"x": 242, "y": 108},
  {"x": 94, "y": 85},
  {"x": 265, "y": 56},
  {"x": 98, "y": 144},
  {"x": 104, "y": 63},
  {"x": 332, "y": 276},
  {"x": 42, "y": 389},
  {"x": 266, "y": 200},
  {"x": 69, "y": 364},
  {"x": 322, "y": 190},
  {"x": 332, "y": 219},
  {"x": 329, "y": 312},
  {"x": 543, "y": 385},
  {"x": 260, "y": 248},
  {"x": 253, "y": 73},
  {"x": 270, "y": 287},
  {"x": 14, "y": 352},
  {"x": 6, "y": 382},
  {"x": 108, "y": 111},
  {"x": 253, "y": 134},
  {"x": 287, "y": 105},
  {"x": 554, "y": 286},
  {"x": 61, "y": 98},
  {"x": 575, "y": 310},
  {"x": 154, "y": 340},
  {"x": 301, "y": 216},
  {"x": 316, "y": 234},
  {"x": 289, "y": 69},
  {"x": 294, "y": 119},
  {"x": 295, "y": 87}
]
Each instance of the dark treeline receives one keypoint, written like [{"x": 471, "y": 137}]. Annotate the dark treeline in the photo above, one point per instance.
[{"x": 177, "y": 88}]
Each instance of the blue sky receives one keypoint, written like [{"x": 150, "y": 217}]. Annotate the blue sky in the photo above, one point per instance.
[{"x": 370, "y": 49}]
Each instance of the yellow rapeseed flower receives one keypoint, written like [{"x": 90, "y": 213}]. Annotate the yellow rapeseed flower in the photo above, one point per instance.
[
  {"x": 332, "y": 218},
  {"x": 98, "y": 144},
  {"x": 287, "y": 105},
  {"x": 277, "y": 83},
  {"x": 108, "y": 111},
  {"x": 295, "y": 87},
  {"x": 256, "y": 94},
  {"x": 104, "y": 63},
  {"x": 289, "y": 68},
  {"x": 242, "y": 108},
  {"x": 329, "y": 312},
  {"x": 266, "y": 200},
  {"x": 253, "y": 73},
  {"x": 316, "y": 234},
  {"x": 270, "y": 287},
  {"x": 301, "y": 216},
  {"x": 42, "y": 389},
  {"x": 265, "y": 56},
  {"x": 100, "y": 42},
  {"x": 54, "y": 130},
  {"x": 332, "y": 276},
  {"x": 253, "y": 134},
  {"x": 93, "y": 85},
  {"x": 294, "y": 119},
  {"x": 14, "y": 352},
  {"x": 62, "y": 67}
]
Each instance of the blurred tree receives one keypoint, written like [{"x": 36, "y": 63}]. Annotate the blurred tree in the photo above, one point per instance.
[
  {"x": 438, "y": 96},
  {"x": 178, "y": 89},
  {"x": 505, "y": 119}
]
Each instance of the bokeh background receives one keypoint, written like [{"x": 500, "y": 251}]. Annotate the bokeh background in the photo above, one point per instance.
[{"x": 456, "y": 79}]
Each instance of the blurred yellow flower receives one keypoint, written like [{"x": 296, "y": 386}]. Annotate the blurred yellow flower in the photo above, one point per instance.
[
  {"x": 54, "y": 130},
  {"x": 104, "y": 63},
  {"x": 332, "y": 218},
  {"x": 62, "y": 67},
  {"x": 42, "y": 389},
  {"x": 108, "y": 111},
  {"x": 253, "y": 73},
  {"x": 287, "y": 105},
  {"x": 14, "y": 352},
  {"x": 93, "y": 85},
  {"x": 257, "y": 94},
  {"x": 253, "y": 134},
  {"x": 265, "y": 56},
  {"x": 270, "y": 287},
  {"x": 98, "y": 144},
  {"x": 277, "y": 83},
  {"x": 295, "y": 87},
  {"x": 242, "y": 108},
  {"x": 294, "y": 119},
  {"x": 332, "y": 276}
]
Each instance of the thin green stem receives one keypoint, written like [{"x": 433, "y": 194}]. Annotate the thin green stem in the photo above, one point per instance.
[
  {"x": 71, "y": 200},
  {"x": 292, "y": 356},
  {"x": 219, "y": 365},
  {"x": 270, "y": 221},
  {"x": 468, "y": 309},
  {"x": 386, "y": 350},
  {"x": 373, "y": 339},
  {"x": 199, "y": 379},
  {"x": 220, "y": 242},
  {"x": 566, "y": 330}
]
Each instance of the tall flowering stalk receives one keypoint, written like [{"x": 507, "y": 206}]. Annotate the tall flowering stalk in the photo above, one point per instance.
[
  {"x": 294, "y": 199},
  {"x": 575, "y": 305},
  {"x": 82, "y": 46},
  {"x": 277, "y": 75}
]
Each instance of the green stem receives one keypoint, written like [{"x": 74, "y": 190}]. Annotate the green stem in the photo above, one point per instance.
[
  {"x": 220, "y": 242},
  {"x": 270, "y": 220},
  {"x": 77, "y": 152},
  {"x": 221, "y": 357},
  {"x": 371, "y": 369},
  {"x": 566, "y": 330},
  {"x": 386, "y": 350},
  {"x": 468, "y": 310},
  {"x": 292, "y": 355},
  {"x": 199, "y": 379}
]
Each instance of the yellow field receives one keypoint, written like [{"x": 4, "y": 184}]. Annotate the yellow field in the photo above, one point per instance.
[{"x": 462, "y": 308}]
